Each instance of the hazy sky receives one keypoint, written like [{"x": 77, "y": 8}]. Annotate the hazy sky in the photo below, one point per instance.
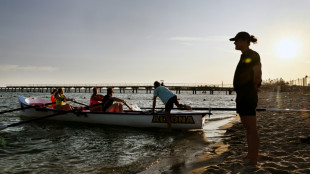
[{"x": 140, "y": 41}]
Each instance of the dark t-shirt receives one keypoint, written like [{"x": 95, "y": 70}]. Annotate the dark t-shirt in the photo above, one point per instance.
[
  {"x": 244, "y": 74},
  {"x": 106, "y": 102}
]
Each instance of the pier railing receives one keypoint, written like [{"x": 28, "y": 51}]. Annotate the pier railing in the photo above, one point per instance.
[
  {"x": 134, "y": 87},
  {"x": 121, "y": 84}
]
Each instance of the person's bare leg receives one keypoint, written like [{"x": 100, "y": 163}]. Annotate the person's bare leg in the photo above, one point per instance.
[
  {"x": 120, "y": 106},
  {"x": 67, "y": 107},
  {"x": 116, "y": 106},
  {"x": 71, "y": 107},
  {"x": 249, "y": 123},
  {"x": 111, "y": 109},
  {"x": 168, "y": 119}
]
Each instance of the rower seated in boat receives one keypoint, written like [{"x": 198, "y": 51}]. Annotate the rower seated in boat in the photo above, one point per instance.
[
  {"x": 108, "y": 104},
  {"x": 53, "y": 99},
  {"x": 61, "y": 99},
  {"x": 95, "y": 99}
]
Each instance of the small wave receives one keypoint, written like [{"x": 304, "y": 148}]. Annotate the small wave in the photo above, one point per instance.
[{"x": 220, "y": 118}]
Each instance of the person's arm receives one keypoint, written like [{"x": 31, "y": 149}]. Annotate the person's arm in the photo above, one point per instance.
[
  {"x": 154, "y": 104},
  {"x": 57, "y": 97},
  {"x": 257, "y": 69},
  {"x": 117, "y": 99},
  {"x": 67, "y": 99}
]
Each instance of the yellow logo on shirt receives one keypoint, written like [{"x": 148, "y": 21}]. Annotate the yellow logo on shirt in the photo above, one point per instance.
[{"x": 248, "y": 60}]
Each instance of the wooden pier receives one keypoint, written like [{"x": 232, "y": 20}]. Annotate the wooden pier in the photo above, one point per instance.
[{"x": 122, "y": 88}]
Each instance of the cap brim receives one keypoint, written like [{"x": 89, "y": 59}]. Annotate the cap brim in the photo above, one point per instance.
[{"x": 232, "y": 39}]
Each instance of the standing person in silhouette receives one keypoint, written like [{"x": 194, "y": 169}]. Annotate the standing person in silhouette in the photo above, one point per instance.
[
  {"x": 247, "y": 80},
  {"x": 168, "y": 98}
]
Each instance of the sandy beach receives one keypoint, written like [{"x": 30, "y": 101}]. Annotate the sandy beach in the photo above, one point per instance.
[{"x": 284, "y": 140}]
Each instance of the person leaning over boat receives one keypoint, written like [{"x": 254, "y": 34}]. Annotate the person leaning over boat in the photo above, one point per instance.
[
  {"x": 95, "y": 99},
  {"x": 168, "y": 98},
  {"x": 108, "y": 105},
  {"x": 247, "y": 80},
  {"x": 61, "y": 99}
]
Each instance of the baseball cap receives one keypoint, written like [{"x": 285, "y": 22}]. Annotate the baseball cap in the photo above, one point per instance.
[{"x": 241, "y": 35}]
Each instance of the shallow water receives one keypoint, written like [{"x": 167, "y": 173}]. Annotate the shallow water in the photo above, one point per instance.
[{"x": 55, "y": 147}]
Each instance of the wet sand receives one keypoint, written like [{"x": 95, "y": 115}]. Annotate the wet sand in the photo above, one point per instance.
[
  {"x": 188, "y": 149},
  {"x": 284, "y": 140}
]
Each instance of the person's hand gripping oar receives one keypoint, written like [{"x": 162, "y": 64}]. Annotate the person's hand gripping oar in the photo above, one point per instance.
[{"x": 129, "y": 107}]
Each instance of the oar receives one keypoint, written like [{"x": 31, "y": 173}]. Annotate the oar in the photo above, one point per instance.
[
  {"x": 28, "y": 107},
  {"x": 36, "y": 119},
  {"x": 280, "y": 110},
  {"x": 80, "y": 103},
  {"x": 234, "y": 109},
  {"x": 217, "y": 109}
]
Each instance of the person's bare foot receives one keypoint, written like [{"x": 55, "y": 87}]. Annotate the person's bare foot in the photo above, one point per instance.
[
  {"x": 188, "y": 107},
  {"x": 248, "y": 162}
]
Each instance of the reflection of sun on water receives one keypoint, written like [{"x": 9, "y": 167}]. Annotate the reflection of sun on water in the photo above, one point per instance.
[{"x": 288, "y": 48}]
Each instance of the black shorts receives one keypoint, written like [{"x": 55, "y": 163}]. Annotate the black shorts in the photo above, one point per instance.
[
  {"x": 169, "y": 104},
  {"x": 246, "y": 105}
]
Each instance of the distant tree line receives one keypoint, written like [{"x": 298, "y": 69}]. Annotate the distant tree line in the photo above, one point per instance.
[{"x": 286, "y": 86}]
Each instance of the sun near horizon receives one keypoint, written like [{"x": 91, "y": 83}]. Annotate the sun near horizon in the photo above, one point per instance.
[{"x": 288, "y": 48}]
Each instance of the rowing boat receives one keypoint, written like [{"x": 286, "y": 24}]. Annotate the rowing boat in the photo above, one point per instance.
[{"x": 180, "y": 119}]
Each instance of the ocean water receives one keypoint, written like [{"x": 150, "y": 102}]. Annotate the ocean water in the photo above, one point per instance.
[{"x": 57, "y": 147}]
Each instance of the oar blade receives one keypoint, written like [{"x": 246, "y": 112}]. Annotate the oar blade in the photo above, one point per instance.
[
  {"x": 3, "y": 127},
  {"x": 28, "y": 107},
  {"x": 12, "y": 110}
]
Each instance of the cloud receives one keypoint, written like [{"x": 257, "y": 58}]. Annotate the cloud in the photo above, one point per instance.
[
  {"x": 28, "y": 68},
  {"x": 200, "y": 39}
]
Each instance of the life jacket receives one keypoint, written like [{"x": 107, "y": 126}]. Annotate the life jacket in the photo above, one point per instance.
[
  {"x": 53, "y": 99},
  {"x": 94, "y": 101},
  {"x": 60, "y": 100}
]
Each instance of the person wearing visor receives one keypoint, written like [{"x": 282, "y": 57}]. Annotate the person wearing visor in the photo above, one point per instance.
[{"x": 247, "y": 80}]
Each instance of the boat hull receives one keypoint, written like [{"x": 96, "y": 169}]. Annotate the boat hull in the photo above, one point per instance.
[{"x": 179, "y": 119}]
